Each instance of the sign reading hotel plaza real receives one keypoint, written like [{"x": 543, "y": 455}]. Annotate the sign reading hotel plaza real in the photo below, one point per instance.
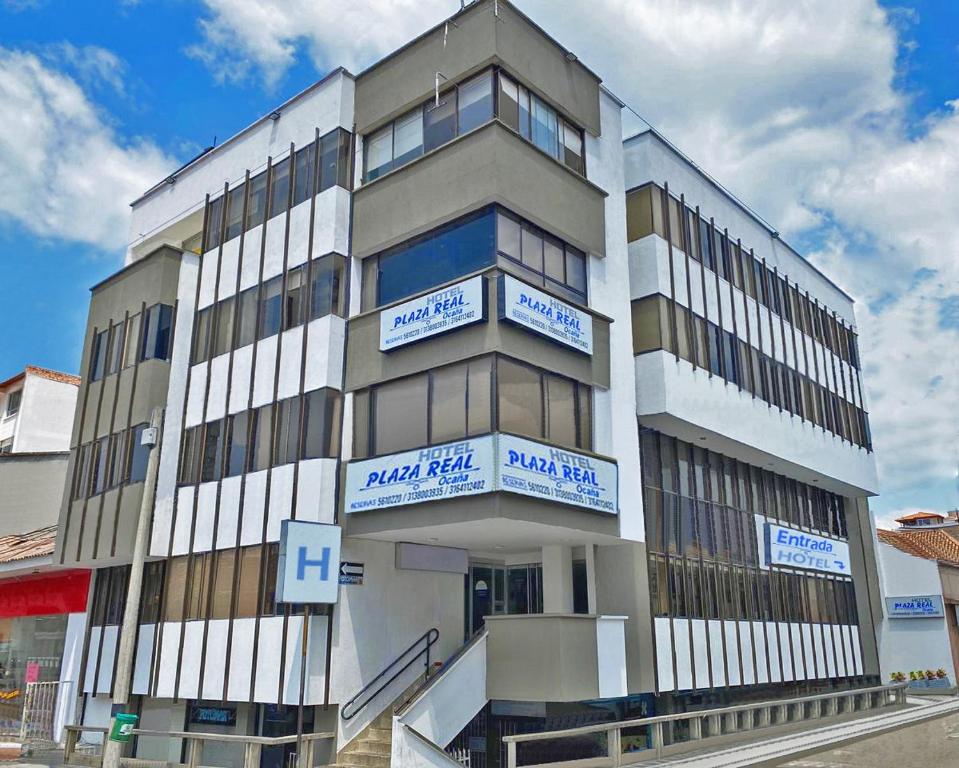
[
  {"x": 444, "y": 310},
  {"x": 485, "y": 464},
  {"x": 525, "y": 306}
]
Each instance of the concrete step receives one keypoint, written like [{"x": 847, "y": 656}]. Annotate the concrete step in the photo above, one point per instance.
[
  {"x": 366, "y": 759},
  {"x": 377, "y": 746}
]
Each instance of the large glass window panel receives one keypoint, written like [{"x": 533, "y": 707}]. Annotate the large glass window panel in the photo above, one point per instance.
[
  {"x": 328, "y": 286},
  {"x": 585, "y": 406},
  {"x": 118, "y": 458},
  {"x": 248, "y": 585},
  {"x": 176, "y": 573},
  {"x": 520, "y": 399},
  {"x": 508, "y": 102},
  {"x": 280, "y": 192},
  {"x": 101, "y": 465},
  {"x": 295, "y": 304},
  {"x": 400, "y": 414},
  {"x": 287, "y": 431},
  {"x": 234, "y": 211},
  {"x": 322, "y": 427},
  {"x": 201, "y": 334},
  {"x": 379, "y": 152},
  {"x": 237, "y": 444},
  {"x": 188, "y": 456},
  {"x": 214, "y": 222},
  {"x": 131, "y": 340},
  {"x": 479, "y": 394},
  {"x": 211, "y": 463},
  {"x": 532, "y": 253},
  {"x": 115, "y": 358},
  {"x": 139, "y": 454},
  {"x": 554, "y": 259},
  {"x": 525, "y": 127},
  {"x": 271, "y": 305},
  {"x": 508, "y": 235},
  {"x": 344, "y": 166},
  {"x": 223, "y": 584},
  {"x": 261, "y": 449},
  {"x": 98, "y": 355},
  {"x": 544, "y": 127},
  {"x": 448, "y": 403},
  {"x": 246, "y": 322},
  {"x": 476, "y": 102},
  {"x": 439, "y": 122},
  {"x": 199, "y": 586},
  {"x": 576, "y": 270},
  {"x": 157, "y": 329},
  {"x": 303, "y": 168},
  {"x": 223, "y": 339},
  {"x": 408, "y": 137},
  {"x": 560, "y": 410},
  {"x": 573, "y": 148},
  {"x": 256, "y": 207}
]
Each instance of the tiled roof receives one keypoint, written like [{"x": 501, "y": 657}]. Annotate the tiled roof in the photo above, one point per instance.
[
  {"x": 46, "y": 373},
  {"x": 934, "y": 544},
  {"x": 920, "y": 516},
  {"x": 23, "y": 546}
]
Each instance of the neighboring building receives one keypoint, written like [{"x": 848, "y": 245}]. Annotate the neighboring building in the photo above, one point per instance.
[
  {"x": 42, "y": 607},
  {"x": 919, "y": 567},
  {"x": 424, "y": 303}
]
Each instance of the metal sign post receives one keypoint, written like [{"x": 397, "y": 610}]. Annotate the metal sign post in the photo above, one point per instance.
[{"x": 308, "y": 573}]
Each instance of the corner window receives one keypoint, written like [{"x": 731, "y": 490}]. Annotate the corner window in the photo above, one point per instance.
[
  {"x": 13, "y": 401},
  {"x": 157, "y": 332},
  {"x": 98, "y": 354}
]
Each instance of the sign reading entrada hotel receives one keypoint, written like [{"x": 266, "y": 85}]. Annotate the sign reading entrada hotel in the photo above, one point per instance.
[
  {"x": 498, "y": 462},
  {"x": 790, "y": 548}
]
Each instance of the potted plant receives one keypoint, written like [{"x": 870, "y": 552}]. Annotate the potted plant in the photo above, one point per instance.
[
  {"x": 937, "y": 679},
  {"x": 897, "y": 677},
  {"x": 917, "y": 679}
]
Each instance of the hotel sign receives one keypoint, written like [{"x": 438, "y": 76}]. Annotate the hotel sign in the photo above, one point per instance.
[
  {"x": 541, "y": 313},
  {"x": 309, "y": 564},
  {"x": 455, "y": 306},
  {"x": 915, "y": 607},
  {"x": 485, "y": 464},
  {"x": 791, "y": 548}
]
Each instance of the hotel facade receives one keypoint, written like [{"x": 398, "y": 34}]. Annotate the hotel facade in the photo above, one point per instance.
[{"x": 594, "y": 435}]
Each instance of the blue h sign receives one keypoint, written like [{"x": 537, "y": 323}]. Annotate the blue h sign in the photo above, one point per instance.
[{"x": 309, "y": 562}]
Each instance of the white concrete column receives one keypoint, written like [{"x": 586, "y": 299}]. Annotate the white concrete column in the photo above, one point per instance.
[{"x": 557, "y": 578}]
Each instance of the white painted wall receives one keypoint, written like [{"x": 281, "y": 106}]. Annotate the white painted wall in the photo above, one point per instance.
[
  {"x": 910, "y": 644},
  {"x": 615, "y": 434},
  {"x": 44, "y": 421},
  {"x": 611, "y": 656},
  {"x": 69, "y": 673}
]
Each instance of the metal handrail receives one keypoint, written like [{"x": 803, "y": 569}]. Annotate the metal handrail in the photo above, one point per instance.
[
  {"x": 431, "y": 637},
  {"x": 614, "y": 729},
  {"x": 423, "y": 687}
]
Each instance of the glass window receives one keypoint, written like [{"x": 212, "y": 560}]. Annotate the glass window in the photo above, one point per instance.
[
  {"x": 439, "y": 121},
  {"x": 524, "y": 114},
  {"x": 101, "y": 459},
  {"x": 408, "y": 137},
  {"x": 214, "y": 222},
  {"x": 448, "y": 403},
  {"x": 234, "y": 211},
  {"x": 287, "y": 431},
  {"x": 399, "y": 414},
  {"x": 188, "y": 455},
  {"x": 201, "y": 334},
  {"x": 479, "y": 394},
  {"x": 560, "y": 410},
  {"x": 246, "y": 322},
  {"x": 262, "y": 448},
  {"x": 544, "y": 127},
  {"x": 152, "y": 592},
  {"x": 256, "y": 208},
  {"x": 508, "y": 236},
  {"x": 237, "y": 441},
  {"x": 157, "y": 330},
  {"x": 223, "y": 584},
  {"x": 520, "y": 399},
  {"x": 573, "y": 148},
  {"x": 280, "y": 193},
  {"x": 508, "y": 102},
  {"x": 554, "y": 260},
  {"x": 303, "y": 174},
  {"x": 270, "y": 307},
  {"x": 199, "y": 585},
  {"x": 329, "y": 159},
  {"x": 98, "y": 354},
  {"x": 576, "y": 270},
  {"x": 476, "y": 102},
  {"x": 116, "y": 348},
  {"x": 248, "y": 585},
  {"x": 295, "y": 297},
  {"x": 139, "y": 454},
  {"x": 379, "y": 152},
  {"x": 328, "y": 286},
  {"x": 532, "y": 253},
  {"x": 176, "y": 573},
  {"x": 131, "y": 340},
  {"x": 222, "y": 340},
  {"x": 321, "y": 435},
  {"x": 211, "y": 461}
]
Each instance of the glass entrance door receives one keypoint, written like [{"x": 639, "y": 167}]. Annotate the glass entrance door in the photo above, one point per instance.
[{"x": 495, "y": 589}]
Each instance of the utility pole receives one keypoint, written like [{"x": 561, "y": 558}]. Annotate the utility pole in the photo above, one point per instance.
[{"x": 131, "y": 612}]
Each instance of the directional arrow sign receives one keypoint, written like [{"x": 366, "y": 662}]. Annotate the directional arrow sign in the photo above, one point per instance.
[{"x": 351, "y": 573}]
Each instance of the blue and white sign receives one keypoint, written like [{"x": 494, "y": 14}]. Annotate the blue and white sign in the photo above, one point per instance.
[
  {"x": 791, "y": 548},
  {"x": 541, "y": 313},
  {"x": 548, "y": 472},
  {"x": 463, "y": 468},
  {"x": 915, "y": 607},
  {"x": 309, "y": 566},
  {"x": 455, "y": 306},
  {"x": 483, "y": 465}
]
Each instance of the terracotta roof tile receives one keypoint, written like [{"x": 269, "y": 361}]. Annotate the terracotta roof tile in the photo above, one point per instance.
[
  {"x": 47, "y": 373},
  {"x": 920, "y": 516},
  {"x": 22, "y": 546},
  {"x": 933, "y": 544}
]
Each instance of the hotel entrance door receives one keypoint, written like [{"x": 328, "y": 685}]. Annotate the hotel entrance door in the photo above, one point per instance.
[{"x": 493, "y": 589}]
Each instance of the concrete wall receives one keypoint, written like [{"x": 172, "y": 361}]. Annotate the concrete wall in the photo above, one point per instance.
[
  {"x": 490, "y": 164},
  {"x": 474, "y": 39},
  {"x": 907, "y": 645},
  {"x": 31, "y": 488},
  {"x": 46, "y": 415}
]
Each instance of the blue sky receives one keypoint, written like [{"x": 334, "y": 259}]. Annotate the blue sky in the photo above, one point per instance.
[{"x": 802, "y": 142}]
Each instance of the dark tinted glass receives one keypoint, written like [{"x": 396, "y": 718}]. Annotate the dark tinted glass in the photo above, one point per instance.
[
  {"x": 246, "y": 322},
  {"x": 271, "y": 306},
  {"x": 214, "y": 221},
  {"x": 234, "y": 212},
  {"x": 211, "y": 464},
  {"x": 321, "y": 430},
  {"x": 256, "y": 210},
  {"x": 158, "y": 324},
  {"x": 280, "y": 193},
  {"x": 303, "y": 174},
  {"x": 139, "y": 454},
  {"x": 327, "y": 286},
  {"x": 98, "y": 355},
  {"x": 236, "y": 449}
]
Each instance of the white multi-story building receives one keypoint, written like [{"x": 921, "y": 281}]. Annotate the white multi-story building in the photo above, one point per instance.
[{"x": 572, "y": 406}]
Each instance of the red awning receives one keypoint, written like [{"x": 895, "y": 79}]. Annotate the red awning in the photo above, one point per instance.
[{"x": 41, "y": 594}]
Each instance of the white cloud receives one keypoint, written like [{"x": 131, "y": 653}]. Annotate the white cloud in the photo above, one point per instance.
[
  {"x": 93, "y": 65},
  {"x": 63, "y": 172},
  {"x": 793, "y": 106}
]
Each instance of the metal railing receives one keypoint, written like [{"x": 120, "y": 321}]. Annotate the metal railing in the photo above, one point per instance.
[
  {"x": 428, "y": 639},
  {"x": 253, "y": 746},
  {"x": 697, "y": 726}
]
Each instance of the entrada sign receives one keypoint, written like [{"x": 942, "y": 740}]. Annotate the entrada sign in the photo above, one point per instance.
[
  {"x": 541, "y": 313},
  {"x": 791, "y": 548},
  {"x": 915, "y": 607},
  {"x": 499, "y": 462},
  {"x": 309, "y": 564},
  {"x": 447, "y": 309}
]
